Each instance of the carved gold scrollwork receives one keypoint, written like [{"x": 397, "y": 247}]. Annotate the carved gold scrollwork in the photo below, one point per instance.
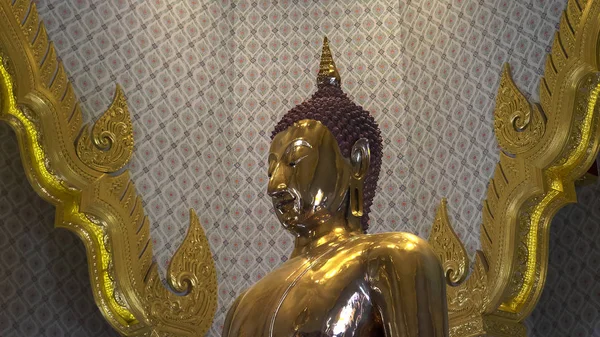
[
  {"x": 467, "y": 301},
  {"x": 189, "y": 269},
  {"x": 545, "y": 149},
  {"x": 109, "y": 145},
  {"x": 448, "y": 246},
  {"x": 192, "y": 273},
  {"x": 518, "y": 124},
  {"x": 470, "y": 296},
  {"x": 104, "y": 210}
]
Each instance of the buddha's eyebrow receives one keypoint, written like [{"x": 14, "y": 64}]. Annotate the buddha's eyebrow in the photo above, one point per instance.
[{"x": 296, "y": 143}]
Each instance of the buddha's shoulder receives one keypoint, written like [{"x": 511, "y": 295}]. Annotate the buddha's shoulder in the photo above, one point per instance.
[
  {"x": 390, "y": 244},
  {"x": 398, "y": 240}
]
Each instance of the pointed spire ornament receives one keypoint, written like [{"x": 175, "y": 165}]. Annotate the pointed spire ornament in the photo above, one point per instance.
[{"x": 328, "y": 73}]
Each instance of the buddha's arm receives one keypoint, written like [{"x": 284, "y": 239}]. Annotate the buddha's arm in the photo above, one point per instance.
[{"x": 408, "y": 290}]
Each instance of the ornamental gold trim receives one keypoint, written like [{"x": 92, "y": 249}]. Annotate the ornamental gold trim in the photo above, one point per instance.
[
  {"x": 77, "y": 169},
  {"x": 108, "y": 146},
  {"x": 519, "y": 125},
  {"x": 545, "y": 149},
  {"x": 448, "y": 246}
]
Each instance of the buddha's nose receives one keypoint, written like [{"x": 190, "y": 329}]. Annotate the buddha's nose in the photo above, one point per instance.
[{"x": 277, "y": 182}]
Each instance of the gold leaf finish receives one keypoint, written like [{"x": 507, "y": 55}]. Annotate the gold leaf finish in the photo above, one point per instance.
[
  {"x": 328, "y": 73},
  {"x": 109, "y": 145},
  {"x": 519, "y": 126},
  {"x": 191, "y": 272},
  {"x": 544, "y": 149},
  {"x": 467, "y": 302},
  {"x": 563, "y": 154},
  {"x": 448, "y": 246},
  {"x": 104, "y": 210}
]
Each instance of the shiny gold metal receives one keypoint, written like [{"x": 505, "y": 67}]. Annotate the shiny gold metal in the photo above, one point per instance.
[
  {"x": 545, "y": 148},
  {"x": 518, "y": 124},
  {"x": 328, "y": 73},
  {"x": 77, "y": 171},
  {"x": 109, "y": 145},
  {"x": 338, "y": 281},
  {"x": 449, "y": 248}
]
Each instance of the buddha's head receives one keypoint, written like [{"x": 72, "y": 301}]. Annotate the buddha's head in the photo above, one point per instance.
[{"x": 325, "y": 158}]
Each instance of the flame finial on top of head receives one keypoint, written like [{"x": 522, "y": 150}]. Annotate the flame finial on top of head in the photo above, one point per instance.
[{"x": 328, "y": 73}]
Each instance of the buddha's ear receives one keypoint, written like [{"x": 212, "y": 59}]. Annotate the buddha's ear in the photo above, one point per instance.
[{"x": 360, "y": 158}]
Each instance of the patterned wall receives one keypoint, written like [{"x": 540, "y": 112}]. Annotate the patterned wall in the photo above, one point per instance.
[
  {"x": 207, "y": 80},
  {"x": 44, "y": 281}
]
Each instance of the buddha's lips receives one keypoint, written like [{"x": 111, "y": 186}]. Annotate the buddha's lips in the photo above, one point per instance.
[{"x": 285, "y": 202}]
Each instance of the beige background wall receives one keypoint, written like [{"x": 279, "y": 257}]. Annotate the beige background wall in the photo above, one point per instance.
[{"x": 207, "y": 80}]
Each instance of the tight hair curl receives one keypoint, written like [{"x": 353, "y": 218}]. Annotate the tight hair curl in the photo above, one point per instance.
[{"x": 348, "y": 123}]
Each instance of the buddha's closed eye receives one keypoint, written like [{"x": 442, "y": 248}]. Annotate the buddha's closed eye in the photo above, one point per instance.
[{"x": 297, "y": 150}]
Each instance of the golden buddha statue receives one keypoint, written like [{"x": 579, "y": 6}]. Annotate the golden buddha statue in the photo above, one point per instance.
[{"x": 324, "y": 163}]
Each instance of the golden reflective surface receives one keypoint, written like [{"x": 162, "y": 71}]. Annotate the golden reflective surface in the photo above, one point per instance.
[{"x": 338, "y": 281}]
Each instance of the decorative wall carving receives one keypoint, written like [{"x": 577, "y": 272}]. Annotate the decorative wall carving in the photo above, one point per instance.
[
  {"x": 545, "y": 149},
  {"x": 446, "y": 243},
  {"x": 518, "y": 124},
  {"x": 99, "y": 204},
  {"x": 44, "y": 275},
  {"x": 108, "y": 146}
]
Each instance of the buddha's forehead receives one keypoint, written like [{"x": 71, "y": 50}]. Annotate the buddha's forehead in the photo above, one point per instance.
[{"x": 310, "y": 130}]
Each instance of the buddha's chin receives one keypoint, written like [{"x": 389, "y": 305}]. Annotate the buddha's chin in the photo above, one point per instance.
[{"x": 300, "y": 224}]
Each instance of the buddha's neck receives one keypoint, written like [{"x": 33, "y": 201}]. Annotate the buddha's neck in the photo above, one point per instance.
[{"x": 327, "y": 234}]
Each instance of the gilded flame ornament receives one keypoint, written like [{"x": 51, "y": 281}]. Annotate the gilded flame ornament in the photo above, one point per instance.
[
  {"x": 446, "y": 243},
  {"x": 519, "y": 124},
  {"x": 108, "y": 146}
]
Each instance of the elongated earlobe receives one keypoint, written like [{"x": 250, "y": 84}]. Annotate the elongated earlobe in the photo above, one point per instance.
[
  {"x": 356, "y": 201},
  {"x": 360, "y": 159}
]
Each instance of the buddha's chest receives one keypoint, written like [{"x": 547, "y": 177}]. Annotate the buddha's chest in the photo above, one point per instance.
[{"x": 320, "y": 299}]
